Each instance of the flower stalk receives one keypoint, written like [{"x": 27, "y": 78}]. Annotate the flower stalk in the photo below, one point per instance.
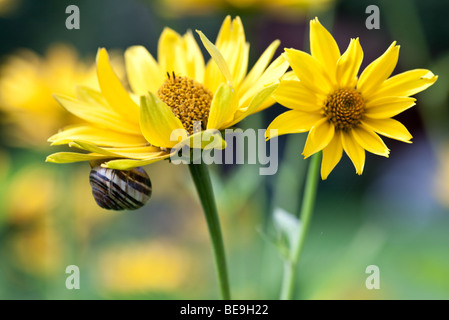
[
  {"x": 203, "y": 184},
  {"x": 308, "y": 203}
]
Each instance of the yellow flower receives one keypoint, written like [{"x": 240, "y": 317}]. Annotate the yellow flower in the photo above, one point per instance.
[
  {"x": 39, "y": 186},
  {"x": 340, "y": 110},
  {"x": 38, "y": 249},
  {"x": 155, "y": 266},
  {"x": 202, "y": 7},
  {"x": 176, "y": 92},
  {"x": 8, "y": 6},
  {"x": 26, "y": 86}
]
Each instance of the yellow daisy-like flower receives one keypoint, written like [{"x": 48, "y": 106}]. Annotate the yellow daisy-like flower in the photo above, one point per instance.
[
  {"x": 179, "y": 91},
  {"x": 340, "y": 110}
]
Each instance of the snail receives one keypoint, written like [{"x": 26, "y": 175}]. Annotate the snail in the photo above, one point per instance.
[{"x": 119, "y": 189}]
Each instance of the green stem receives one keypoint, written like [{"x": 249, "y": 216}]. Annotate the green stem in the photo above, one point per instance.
[
  {"x": 290, "y": 265},
  {"x": 203, "y": 184}
]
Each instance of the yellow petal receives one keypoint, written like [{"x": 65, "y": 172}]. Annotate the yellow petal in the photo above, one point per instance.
[
  {"x": 213, "y": 77},
  {"x": 261, "y": 98},
  {"x": 157, "y": 122},
  {"x": 256, "y": 104},
  {"x": 134, "y": 149},
  {"x": 407, "y": 83},
  {"x": 129, "y": 164},
  {"x": 309, "y": 71},
  {"x": 136, "y": 153},
  {"x": 387, "y": 107},
  {"x": 194, "y": 58},
  {"x": 331, "y": 155},
  {"x": 319, "y": 137},
  {"x": 292, "y": 121},
  {"x": 216, "y": 56},
  {"x": 323, "y": 47},
  {"x": 206, "y": 139},
  {"x": 127, "y": 152},
  {"x": 266, "y": 104},
  {"x": 92, "y": 97},
  {"x": 223, "y": 106},
  {"x": 378, "y": 71},
  {"x": 240, "y": 67},
  {"x": 259, "y": 67},
  {"x": 97, "y": 115},
  {"x": 290, "y": 75},
  {"x": 237, "y": 31},
  {"x": 168, "y": 51},
  {"x": 84, "y": 145},
  {"x": 143, "y": 71},
  {"x": 97, "y": 136},
  {"x": 118, "y": 99},
  {"x": 349, "y": 64},
  {"x": 69, "y": 157},
  {"x": 232, "y": 46},
  {"x": 231, "y": 43},
  {"x": 225, "y": 32},
  {"x": 354, "y": 151},
  {"x": 294, "y": 95},
  {"x": 271, "y": 75},
  {"x": 389, "y": 128},
  {"x": 370, "y": 141}
]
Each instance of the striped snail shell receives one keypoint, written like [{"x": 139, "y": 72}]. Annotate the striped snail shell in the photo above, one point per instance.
[{"x": 118, "y": 189}]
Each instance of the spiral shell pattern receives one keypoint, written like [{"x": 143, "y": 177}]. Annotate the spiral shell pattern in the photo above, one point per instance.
[{"x": 120, "y": 190}]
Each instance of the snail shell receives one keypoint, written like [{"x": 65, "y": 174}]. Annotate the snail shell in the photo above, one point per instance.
[{"x": 120, "y": 190}]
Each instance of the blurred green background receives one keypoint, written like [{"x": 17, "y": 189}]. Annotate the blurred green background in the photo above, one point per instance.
[{"x": 394, "y": 216}]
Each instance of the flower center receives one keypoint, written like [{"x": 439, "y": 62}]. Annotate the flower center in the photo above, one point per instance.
[
  {"x": 189, "y": 101},
  {"x": 344, "y": 108}
]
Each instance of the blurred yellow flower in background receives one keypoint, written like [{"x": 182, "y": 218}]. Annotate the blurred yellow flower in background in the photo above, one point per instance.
[
  {"x": 340, "y": 110},
  {"x": 37, "y": 215},
  {"x": 38, "y": 250},
  {"x": 144, "y": 266},
  {"x": 35, "y": 245},
  {"x": 180, "y": 92},
  {"x": 36, "y": 184},
  {"x": 27, "y": 82},
  {"x": 282, "y": 7},
  {"x": 8, "y": 6}
]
